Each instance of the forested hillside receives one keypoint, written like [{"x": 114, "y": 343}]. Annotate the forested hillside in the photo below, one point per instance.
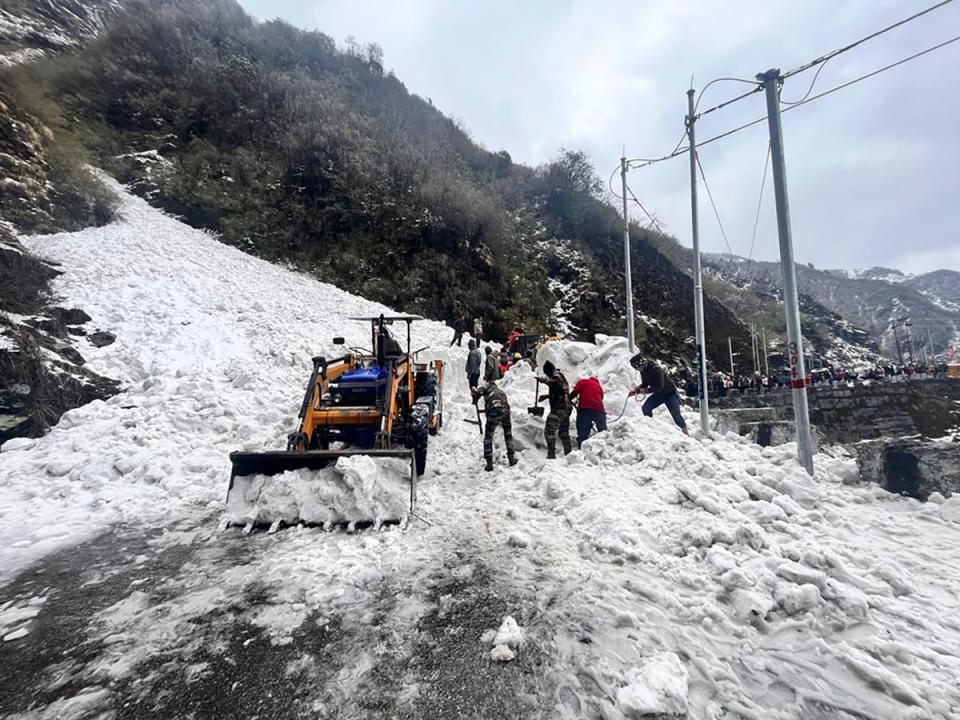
[{"x": 298, "y": 151}]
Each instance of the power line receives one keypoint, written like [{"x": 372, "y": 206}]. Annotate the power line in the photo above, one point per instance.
[
  {"x": 637, "y": 163},
  {"x": 756, "y": 221},
  {"x": 809, "y": 89},
  {"x": 731, "y": 101},
  {"x": 716, "y": 213},
  {"x": 756, "y": 224},
  {"x": 653, "y": 220},
  {"x": 875, "y": 72},
  {"x": 845, "y": 48}
]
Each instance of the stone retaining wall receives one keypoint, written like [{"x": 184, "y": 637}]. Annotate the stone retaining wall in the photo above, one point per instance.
[{"x": 850, "y": 413}]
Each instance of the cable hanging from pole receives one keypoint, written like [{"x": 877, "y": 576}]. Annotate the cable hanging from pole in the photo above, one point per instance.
[
  {"x": 871, "y": 36},
  {"x": 756, "y": 224},
  {"x": 716, "y": 213},
  {"x": 653, "y": 220}
]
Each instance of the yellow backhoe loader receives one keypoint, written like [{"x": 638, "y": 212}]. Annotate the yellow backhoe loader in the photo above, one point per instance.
[{"x": 381, "y": 403}]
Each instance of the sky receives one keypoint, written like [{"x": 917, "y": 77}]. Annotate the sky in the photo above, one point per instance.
[{"x": 873, "y": 170}]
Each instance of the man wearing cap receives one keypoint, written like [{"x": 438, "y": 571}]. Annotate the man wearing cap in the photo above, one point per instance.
[
  {"x": 590, "y": 409},
  {"x": 662, "y": 391},
  {"x": 558, "y": 421},
  {"x": 497, "y": 409},
  {"x": 473, "y": 365},
  {"x": 491, "y": 366}
]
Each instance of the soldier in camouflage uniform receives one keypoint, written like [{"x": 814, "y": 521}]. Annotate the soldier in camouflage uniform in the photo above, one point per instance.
[
  {"x": 497, "y": 409},
  {"x": 558, "y": 421}
]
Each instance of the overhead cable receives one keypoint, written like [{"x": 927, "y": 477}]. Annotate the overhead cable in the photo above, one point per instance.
[
  {"x": 845, "y": 48},
  {"x": 637, "y": 163},
  {"x": 716, "y": 212},
  {"x": 875, "y": 72}
]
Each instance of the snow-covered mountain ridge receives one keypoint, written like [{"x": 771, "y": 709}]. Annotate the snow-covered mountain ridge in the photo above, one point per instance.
[
  {"x": 871, "y": 299},
  {"x": 761, "y": 592}
]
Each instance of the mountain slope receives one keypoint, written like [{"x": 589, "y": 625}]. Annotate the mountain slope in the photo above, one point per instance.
[
  {"x": 871, "y": 301},
  {"x": 299, "y": 152},
  {"x": 31, "y": 29}
]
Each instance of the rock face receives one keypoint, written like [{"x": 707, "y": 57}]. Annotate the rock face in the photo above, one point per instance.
[{"x": 916, "y": 467}]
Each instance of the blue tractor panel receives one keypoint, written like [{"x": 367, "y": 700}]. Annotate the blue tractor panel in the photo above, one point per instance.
[{"x": 363, "y": 386}]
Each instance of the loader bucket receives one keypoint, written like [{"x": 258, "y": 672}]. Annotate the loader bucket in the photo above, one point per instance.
[{"x": 251, "y": 499}]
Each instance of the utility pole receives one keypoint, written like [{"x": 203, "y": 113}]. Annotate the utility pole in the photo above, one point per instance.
[
  {"x": 896, "y": 337},
  {"x": 766, "y": 359},
  {"x": 906, "y": 324},
  {"x": 730, "y": 348},
  {"x": 798, "y": 375},
  {"x": 697, "y": 276},
  {"x": 631, "y": 338},
  {"x": 933, "y": 352}
]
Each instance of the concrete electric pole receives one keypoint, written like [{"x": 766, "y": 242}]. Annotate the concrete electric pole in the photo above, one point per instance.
[
  {"x": 798, "y": 375},
  {"x": 631, "y": 338},
  {"x": 697, "y": 276}
]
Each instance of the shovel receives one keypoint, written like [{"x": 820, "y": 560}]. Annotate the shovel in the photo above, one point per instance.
[
  {"x": 536, "y": 409},
  {"x": 478, "y": 422}
]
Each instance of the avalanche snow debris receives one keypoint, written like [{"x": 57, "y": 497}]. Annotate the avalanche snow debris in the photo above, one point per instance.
[
  {"x": 790, "y": 594},
  {"x": 658, "y": 687}
]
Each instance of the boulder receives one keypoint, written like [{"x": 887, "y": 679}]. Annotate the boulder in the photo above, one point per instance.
[
  {"x": 101, "y": 338},
  {"x": 70, "y": 316}
]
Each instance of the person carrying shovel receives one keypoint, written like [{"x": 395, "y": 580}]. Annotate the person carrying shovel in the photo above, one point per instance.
[
  {"x": 558, "y": 421},
  {"x": 497, "y": 408}
]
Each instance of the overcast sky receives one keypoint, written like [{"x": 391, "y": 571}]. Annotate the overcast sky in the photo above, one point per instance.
[{"x": 872, "y": 170}]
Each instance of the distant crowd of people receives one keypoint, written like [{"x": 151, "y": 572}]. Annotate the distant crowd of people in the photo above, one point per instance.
[{"x": 722, "y": 383}]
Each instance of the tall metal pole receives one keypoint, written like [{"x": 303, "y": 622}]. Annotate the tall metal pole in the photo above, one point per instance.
[
  {"x": 730, "y": 348},
  {"x": 798, "y": 374},
  {"x": 631, "y": 338},
  {"x": 697, "y": 276},
  {"x": 930, "y": 341},
  {"x": 897, "y": 339},
  {"x": 766, "y": 359},
  {"x": 907, "y": 323}
]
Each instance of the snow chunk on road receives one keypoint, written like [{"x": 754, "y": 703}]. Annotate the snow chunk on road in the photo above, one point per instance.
[
  {"x": 950, "y": 509},
  {"x": 658, "y": 687},
  {"x": 506, "y": 639}
]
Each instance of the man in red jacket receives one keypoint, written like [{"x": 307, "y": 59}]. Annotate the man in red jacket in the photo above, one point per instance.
[{"x": 590, "y": 410}]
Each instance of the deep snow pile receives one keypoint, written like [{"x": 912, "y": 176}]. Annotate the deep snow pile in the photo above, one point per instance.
[
  {"x": 662, "y": 573},
  {"x": 213, "y": 347}
]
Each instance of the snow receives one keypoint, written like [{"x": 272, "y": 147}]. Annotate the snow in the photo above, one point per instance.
[
  {"x": 652, "y": 570},
  {"x": 15, "y": 618},
  {"x": 354, "y": 489},
  {"x": 213, "y": 348},
  {"x": 658, "y": 687}
]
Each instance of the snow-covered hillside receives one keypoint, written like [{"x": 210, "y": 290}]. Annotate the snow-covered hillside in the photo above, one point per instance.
[{"x": 649, "y": 572}]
